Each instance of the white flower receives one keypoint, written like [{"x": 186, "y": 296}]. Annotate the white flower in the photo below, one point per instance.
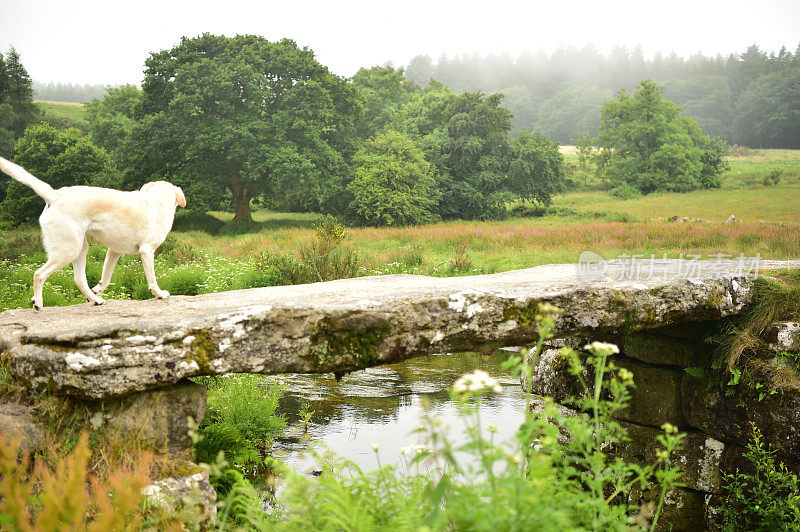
[
  {"x": 477, "y": 382},
  {"x": 414, "y": 449},
  {"x": 602, "y": 346},
  {"x": 375, "y": 447}
]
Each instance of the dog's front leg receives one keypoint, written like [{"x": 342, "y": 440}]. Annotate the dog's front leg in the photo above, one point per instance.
[
  {"x": 148, "y": 261},
  {"x": 108, "y": 268}
]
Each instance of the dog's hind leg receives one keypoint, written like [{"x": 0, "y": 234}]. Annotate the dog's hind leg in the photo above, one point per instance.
[
  {"x": 150, "y": 272},
  {"x": 79, "y": 271},
  {"x": 54, "y": 263},
  {"x": 62, "y": 241},
  {"x": 108, "y": 268}
]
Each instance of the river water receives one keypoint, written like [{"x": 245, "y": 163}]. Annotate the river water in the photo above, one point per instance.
[{"x": 383, "y": 406}]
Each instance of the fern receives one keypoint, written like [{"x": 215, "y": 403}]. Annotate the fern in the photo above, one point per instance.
[{"x": 224, "y": 437}]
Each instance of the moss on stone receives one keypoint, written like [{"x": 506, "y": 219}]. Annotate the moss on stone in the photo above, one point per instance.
[
  {"x": 715, "y": 300},
  {"x": 330, "y": 343},
  {"x": 176, "y": 469},
  {"x": 202, "y": 349},
  {"x": 524, "y": 316},
  {"x": 617, "y": 300}
]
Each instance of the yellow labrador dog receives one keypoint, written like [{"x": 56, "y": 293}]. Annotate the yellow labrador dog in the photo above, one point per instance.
[{"x": 126, "y": 222}]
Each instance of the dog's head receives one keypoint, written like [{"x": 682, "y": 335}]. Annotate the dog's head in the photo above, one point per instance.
[{"x": 168, "y": 188}]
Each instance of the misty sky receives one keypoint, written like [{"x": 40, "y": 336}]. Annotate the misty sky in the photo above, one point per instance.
[{"x": 107, "y": 41}]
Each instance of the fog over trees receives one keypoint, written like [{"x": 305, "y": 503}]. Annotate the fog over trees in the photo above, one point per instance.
[{"x": 750, "y": 98}]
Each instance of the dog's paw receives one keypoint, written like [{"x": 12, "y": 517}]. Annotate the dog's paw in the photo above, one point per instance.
[
  {"x": 98, "y": 301},
  {"x": 35, "y": 305},
  {"x": 98, "y": 289},
  {"x": 163, "y": 294}
]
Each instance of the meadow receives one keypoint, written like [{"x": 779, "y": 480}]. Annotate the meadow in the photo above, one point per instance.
[
  {"x": 67, "y": 114},
  {"x": 279, "y": 248}
]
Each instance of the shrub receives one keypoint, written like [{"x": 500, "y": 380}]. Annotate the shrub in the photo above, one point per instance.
[
  {"x": 184, "y": 280},
  {"x": 324, "y": 258},
  {"x": 742, "y": 151},
  {"x": 247, "y": 403},
  {"x": 625, "y": 192},
  {"x": 64, "y": 496},
  {"x": 273, "y": 269},
  {"x": 646, "y": 144},
  {"x": 773, "y": 177},
  {"x": 19, "y": 244},
  {"x": 768, "y": 498},
  {"x": 530, "y": 211},
  {"x": 392, "y": 183}
]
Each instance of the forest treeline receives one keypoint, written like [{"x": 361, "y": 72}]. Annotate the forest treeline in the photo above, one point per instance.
[
  {"x": 68, "y": 92},
  {"x": 242, "y": 121},
  {"x": 750, "y": 98}
]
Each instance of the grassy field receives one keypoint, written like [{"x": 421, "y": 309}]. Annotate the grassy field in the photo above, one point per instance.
[
  {"x": 742, "y": 194},
  {"x": 66, "y": 113},
  {"x": 588, "y": 220}
]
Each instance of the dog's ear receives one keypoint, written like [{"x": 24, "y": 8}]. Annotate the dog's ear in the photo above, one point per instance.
[{"x": 180, "y": 199}]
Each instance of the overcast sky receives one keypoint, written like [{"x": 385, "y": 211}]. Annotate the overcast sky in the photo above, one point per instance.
[{"x": 107, "y": 42}]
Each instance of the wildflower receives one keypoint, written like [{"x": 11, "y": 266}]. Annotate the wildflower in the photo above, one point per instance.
[
  {"x": 476, "y": 383},
  {"x": 414, "y": 449},
  {"x": 625, "y": 375},
  {"x": 375, "y": 447},
  {"x": 602, "y": 346}
]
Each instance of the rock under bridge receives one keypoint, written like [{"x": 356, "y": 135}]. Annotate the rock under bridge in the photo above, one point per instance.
[{"x": 130, "y": 359}]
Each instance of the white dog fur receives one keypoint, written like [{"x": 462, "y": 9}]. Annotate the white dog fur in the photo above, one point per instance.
[{"x": 125, "y": 222}]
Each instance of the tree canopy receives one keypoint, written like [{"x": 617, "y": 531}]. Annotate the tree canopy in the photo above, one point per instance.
[
  {"x": 392, "y": 183},
  {"x": 547, "y": 91},
  {"x": 60, "y": 158},
  {"x": 384, "y": 90},
  {"x": 16, "y": 106},
  {"x": 768, "y": 113},
  {"x": 247, "y": 115},
  {"x": 646, "y": 144}
]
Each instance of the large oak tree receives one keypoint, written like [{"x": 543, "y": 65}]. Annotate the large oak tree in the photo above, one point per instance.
[{"x": 247, "y": 115}]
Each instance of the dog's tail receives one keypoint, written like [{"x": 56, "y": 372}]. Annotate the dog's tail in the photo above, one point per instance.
[{"x": 20, "y": 174}]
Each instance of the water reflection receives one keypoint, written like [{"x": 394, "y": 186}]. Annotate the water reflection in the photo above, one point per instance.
[{"x": 384, "y": 405}]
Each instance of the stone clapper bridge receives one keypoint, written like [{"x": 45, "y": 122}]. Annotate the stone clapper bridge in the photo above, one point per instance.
[{"x": 126, "y": 356}]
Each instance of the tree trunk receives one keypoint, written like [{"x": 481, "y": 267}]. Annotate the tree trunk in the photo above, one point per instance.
[{"x": 241, "y": 194}]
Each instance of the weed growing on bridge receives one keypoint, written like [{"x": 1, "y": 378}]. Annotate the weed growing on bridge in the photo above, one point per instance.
[
  {"x": 743, "y": 355},
  {"x": 765, "y": 498}
]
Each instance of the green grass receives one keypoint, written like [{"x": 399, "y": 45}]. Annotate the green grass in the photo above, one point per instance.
[
  {"x": 742, "y": 194},
  {"x": 749, "y": 171},
  {"x": 64, "y": 114}
]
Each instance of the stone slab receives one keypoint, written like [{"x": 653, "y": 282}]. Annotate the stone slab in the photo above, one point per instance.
[{"x": 338, "y": 326}]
